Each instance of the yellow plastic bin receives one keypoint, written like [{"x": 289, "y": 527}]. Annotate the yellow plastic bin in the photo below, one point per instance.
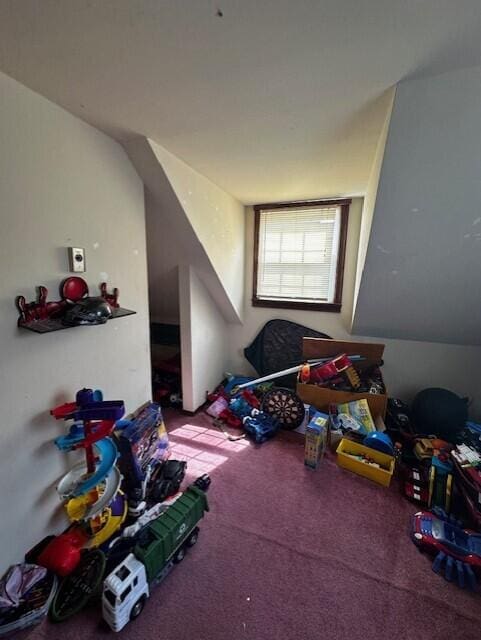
[{"x": 380, "y": 475}]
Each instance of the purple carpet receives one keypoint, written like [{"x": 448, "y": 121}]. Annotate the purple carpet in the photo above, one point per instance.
[{"x": 287, "y": 553}]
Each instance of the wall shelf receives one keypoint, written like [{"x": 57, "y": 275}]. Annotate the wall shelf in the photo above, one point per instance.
[{"x": 48, "y": 325}]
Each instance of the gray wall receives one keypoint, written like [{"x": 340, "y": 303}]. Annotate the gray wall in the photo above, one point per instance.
[
  {"x": 61, "y": 183},
  {"x": 421, "y": 277},
  {"x": 164, "y": 253}
]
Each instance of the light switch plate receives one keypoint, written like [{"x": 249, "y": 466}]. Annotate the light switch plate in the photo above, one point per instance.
[{"x": 76, "y": 259}]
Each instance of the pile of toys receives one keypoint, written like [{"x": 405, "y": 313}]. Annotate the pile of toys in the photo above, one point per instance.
[
  {"x": 125, "y": 533},
  {"x": 342, "y": 374},
  {"x": 260, "y": 409},
  {"x": 440, "y": 470}
]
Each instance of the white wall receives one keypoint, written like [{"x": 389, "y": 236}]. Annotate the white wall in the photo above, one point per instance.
[
  {"x": 62, "y": 183},
  {"x": 409, "y": 366},
  {"x": 424, "y": 255},
  {"x": 203, "y": 339},
  {"x": 217, "y": 219},
  {"x": 163, "y": 258}
]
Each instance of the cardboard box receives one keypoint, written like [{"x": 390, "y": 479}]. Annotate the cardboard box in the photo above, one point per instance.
[
  {"x": 316, "y": 440},
  {"x": 321, "y": 397}
]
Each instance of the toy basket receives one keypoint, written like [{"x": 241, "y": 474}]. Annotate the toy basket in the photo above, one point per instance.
[{"x": 382, "y": 474}]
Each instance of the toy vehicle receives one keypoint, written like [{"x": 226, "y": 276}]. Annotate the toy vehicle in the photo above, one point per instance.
[
  {"x": 162, "y": 543},
  {"x": 167, "y": 480},
  {"x": 458, "y": 548}
]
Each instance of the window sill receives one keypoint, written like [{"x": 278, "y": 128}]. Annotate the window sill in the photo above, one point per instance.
[{"x": 330, "y": 307}]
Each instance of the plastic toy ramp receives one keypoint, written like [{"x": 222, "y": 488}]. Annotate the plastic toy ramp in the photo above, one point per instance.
[
  {"x": 110, "y": 522},
  {"x": 94, "y": 502},
  {"x": 77, "y": 437},
  {"x": 77, "y": 482}
]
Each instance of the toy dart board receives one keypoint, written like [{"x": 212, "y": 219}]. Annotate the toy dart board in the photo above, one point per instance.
[
  {"x": 285, "y": 406},
  {"x": 76, "y": 589}
]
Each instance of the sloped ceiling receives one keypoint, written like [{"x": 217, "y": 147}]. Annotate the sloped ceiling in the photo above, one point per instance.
[
  {"x": 270, "y": 99},
  {"x": 421, "y": 278}
]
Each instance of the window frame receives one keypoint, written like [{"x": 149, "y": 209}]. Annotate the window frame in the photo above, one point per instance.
[{"x": 334, "y": 306}]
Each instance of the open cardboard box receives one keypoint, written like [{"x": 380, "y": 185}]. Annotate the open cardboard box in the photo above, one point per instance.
[{"x": 321, "y": 397}]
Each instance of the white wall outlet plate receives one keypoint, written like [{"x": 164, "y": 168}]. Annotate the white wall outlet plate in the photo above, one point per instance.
[{"x": 76, "y": 259}]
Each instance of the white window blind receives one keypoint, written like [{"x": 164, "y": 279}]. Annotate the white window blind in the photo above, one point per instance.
[{"x": 297, "y": 253}]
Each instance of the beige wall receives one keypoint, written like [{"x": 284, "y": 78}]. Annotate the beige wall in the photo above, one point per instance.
[
  {"x": 217, "y": 219},
  {"x": 409, "y": 366},
  {"x": 203, "y": 339},
  {"x": 62, "y": 183}
]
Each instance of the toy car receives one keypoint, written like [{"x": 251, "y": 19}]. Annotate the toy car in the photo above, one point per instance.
[
  {"x": 457, "y": 548},
  {"x": 167, "y": 480}
]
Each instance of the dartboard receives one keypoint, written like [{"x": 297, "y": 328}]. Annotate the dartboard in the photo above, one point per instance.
[{"x": 285, "y": 406}]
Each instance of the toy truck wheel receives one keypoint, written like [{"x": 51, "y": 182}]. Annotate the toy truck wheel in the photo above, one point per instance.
[
  {"x": 194, "y": 536},
  {"x": 179, "y": 556},
  {"x": 137, "y": 608}
]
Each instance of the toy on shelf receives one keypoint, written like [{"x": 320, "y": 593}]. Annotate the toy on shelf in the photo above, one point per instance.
[
  {"x": 26, "y": 591},
  {"x": 75, "y": 307},
  {"x": 162, "y": 543},
  {"x": 457, "y": 551},
  {"x": 111, "y": 298}
]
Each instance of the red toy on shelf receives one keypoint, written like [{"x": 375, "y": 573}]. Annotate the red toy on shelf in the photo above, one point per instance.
[{"x": 41, "y": 316}]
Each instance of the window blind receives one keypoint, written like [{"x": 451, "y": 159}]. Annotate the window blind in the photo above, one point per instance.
[{"x": 297, "y": 253}]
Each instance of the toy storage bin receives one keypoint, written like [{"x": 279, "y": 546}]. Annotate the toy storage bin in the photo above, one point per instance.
[
  {"x": 322, "y": 397},
  {"x": 381, "y": 476}
]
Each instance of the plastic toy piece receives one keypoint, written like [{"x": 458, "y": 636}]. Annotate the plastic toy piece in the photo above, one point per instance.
[
  {"x": 76, "y": 589},
  {"x": 260, "y": 426},
  {"x": 62, "y": 554},
  {"x": 111, "y": 298},
  {"x": 79, "y": 480},
  {"x": 440, "y": 484},
  {"x": 457, "y": 551},
  {"x": 167, "y": 480}
]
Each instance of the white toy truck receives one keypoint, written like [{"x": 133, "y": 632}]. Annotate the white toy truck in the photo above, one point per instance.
[{"x": 161, "y": 544}]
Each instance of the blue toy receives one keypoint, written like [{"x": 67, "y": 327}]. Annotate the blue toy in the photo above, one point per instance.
[
  {"x": 259, "y": 426},
  {"x": 457, "y": 551}
]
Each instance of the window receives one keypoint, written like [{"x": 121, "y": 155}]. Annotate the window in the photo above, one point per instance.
[
  {"x": 299, "y": 250},
  {"x": 126, "y": 593}
]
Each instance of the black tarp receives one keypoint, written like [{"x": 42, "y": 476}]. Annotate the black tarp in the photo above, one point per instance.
[{"x": 278, "y": 346}]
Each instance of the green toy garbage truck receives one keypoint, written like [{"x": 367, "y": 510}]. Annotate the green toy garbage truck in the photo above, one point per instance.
[{"x": 162, "y": 544}]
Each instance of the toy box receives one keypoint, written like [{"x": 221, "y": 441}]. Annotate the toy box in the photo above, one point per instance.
[
  {"x": 316, "y": 439},
  {"x": 349, "y": 455},
  {"x": 322, "y": 397}
]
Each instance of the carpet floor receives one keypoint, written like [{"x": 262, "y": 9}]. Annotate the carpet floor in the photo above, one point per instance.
[{"x": 287, "y": 553}]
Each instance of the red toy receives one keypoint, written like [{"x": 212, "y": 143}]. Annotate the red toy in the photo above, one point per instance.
[
  {"x": 457, "y": 550},
  {"x": 321, "y": 373},
  {"x": 62, "y": 554}
]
